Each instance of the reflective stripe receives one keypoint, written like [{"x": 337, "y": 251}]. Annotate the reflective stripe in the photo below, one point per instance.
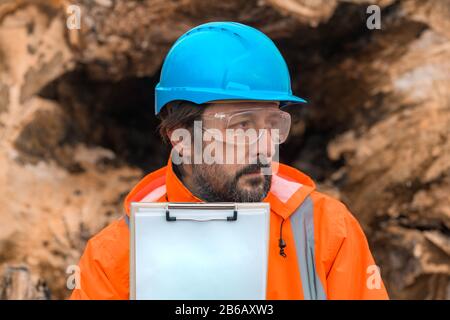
[
  {"x": 302, "y": 221},
  {"x": 155, "y": 194},
  {"x": 282, "y": 188}
]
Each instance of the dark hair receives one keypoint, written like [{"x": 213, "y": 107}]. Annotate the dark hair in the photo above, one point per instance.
[{"x": 178, "y": 114}]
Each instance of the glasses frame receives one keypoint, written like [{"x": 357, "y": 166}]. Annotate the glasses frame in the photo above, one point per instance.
[{"x": 230, "y": 114}]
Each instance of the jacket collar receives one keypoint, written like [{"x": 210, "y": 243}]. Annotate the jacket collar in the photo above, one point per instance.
[{"x": 289, "y": 188}]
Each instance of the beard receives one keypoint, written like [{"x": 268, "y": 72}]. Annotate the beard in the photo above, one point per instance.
[{"x": 215, "y": 187}]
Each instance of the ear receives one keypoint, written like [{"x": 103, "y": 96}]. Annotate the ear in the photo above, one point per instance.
[
  {"x": 180, "y": 139},
  {"x": 169, "y": 134}
]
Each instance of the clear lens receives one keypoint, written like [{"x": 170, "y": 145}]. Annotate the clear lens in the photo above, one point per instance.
[{"x": 247, "y": 127}]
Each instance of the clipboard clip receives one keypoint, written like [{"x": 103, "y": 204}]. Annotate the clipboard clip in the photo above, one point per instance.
[{"x": 202, "y": 206}]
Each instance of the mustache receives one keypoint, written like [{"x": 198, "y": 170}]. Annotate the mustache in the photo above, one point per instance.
[{"x": 251, "y": 169}]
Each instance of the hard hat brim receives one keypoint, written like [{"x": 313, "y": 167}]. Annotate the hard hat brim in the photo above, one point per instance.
[{"x": 205, "y": 95}]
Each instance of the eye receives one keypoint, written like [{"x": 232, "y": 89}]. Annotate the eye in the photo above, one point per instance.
[
  {"x": 244, "y": 124},
  {"x": 272, "y": 121},
  {"x": 241, "y": 125},
  {"x": 272, "y": 124}
]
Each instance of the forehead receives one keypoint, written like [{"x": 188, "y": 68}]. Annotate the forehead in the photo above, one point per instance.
[{"x": 237, "y": 105}]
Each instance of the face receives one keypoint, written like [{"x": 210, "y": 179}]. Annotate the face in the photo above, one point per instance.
[{"x": 244, "y": 178}]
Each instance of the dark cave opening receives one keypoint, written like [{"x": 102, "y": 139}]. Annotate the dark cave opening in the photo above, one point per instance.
[
  {"x": 115, "y": 115},
  {"x": 118, "y": 115}
]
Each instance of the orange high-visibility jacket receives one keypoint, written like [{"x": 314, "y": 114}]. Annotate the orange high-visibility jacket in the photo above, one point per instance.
[{"x": 327, "y": 254}]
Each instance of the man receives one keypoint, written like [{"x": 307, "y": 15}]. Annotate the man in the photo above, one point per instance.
[{"x": 228, "y": 83}]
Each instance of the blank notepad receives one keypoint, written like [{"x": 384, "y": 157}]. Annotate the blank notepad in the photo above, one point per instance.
[{"x": 191, "y": 259}]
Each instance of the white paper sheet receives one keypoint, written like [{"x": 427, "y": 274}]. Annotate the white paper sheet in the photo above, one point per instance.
[{"x": 199, "y": 260}]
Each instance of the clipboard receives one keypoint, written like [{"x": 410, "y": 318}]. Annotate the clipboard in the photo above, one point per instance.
[{"x": 199, "y": 251}]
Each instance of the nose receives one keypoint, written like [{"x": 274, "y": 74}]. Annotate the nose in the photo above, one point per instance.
[{"x": 265, "y": 145}]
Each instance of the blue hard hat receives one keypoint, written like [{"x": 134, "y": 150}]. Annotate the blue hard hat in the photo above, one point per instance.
[{"x": 224, "y": 61}]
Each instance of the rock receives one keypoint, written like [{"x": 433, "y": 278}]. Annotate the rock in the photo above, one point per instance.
[
  {"x": 16, "y": 283},
  {"x": 77, "y": 128}
]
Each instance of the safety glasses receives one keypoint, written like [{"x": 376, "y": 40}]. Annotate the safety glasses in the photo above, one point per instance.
[{"x": 248, "y": 126}]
